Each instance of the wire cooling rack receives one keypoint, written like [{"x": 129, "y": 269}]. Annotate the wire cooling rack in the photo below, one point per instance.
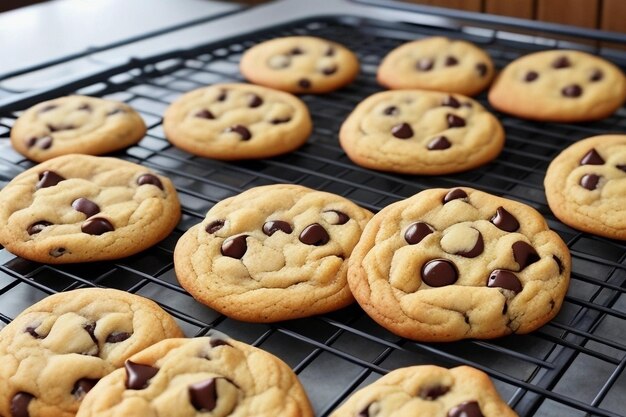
[{"x": 574, "y": 366}]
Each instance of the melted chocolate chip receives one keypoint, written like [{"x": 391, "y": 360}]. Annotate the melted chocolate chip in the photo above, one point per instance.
[
  {"x": 222, "y": 95},
  {"x": 561, "y": 62},
  {"x": 439, "y": 143},
  {"x": 96, "y": 226},
  {"x": 451, "y": 61},
  {"x": 57, "y": 128},
  {"x": 296, "y": 51},
  {"x": 55, "y": 253},
  {"x": 573, "y": 90},
  {"x": 31, "y": 142},
  {"x": 450, "y": 101},
  {"x": 137, "y": 375},
  {"x": 235, "y": 247},
  {"x": 439, "y": 273},
  {"x": 32, "y": 330},
  {"x": 91, "y": 329},
  {"x": 85, "y": 107},
  {"x": 314, "y": 234},
  {"x": 278, "y": 121},
  {"x": 214, "y": 226},
  {"x": 558, "y": 263},
  {"x": 482, "y": 69},
  {"x": 85, "y": 206},
  {"x": 416, "y": 232},
  {"x": 218, "y": 341},
  {"x": 48, "y": 108},
  {"x": 204, "y": 114},
  {"x": 596, "y": 75},
  {"x": 391, "y": 111},
  {"x": 342, "y": 218},
  {"x": 83, "y": 386},
  {"x": 269, "y": 228},
  {"x": 402, "y": 131},
  {"x": 149, "y": 179},
  {"x": 590, "y": 181},
  {"x": 454, "y": 194},
  {"x": 117, "y": 337},
  {"x": 531, "y": 76},
  {"x": 425, "y": 64},
  {"x": 454, "y": 120},
  {"x": 621, "y": 167},
  {"x": 478, "y": 248},
  {"x": 241, "y": 130},
  {"x": 203, "y": 395},
  {"x": 48, "y": 179},
  {"x": 592, "y": 158},
  {"x": 45, "y": 142},
  {"x": 466, "y": 409},
  {"x": 330, "y": 51},
  {"x": 329, "y": 70},
  {"x": 504, "y": 279},
  {"x": 304, "y": 83},
  {"x": 433, "y": 392},
  {"x": 524, "y": 254},
  {"x": 37, "y": 227},
  {"x": 255, "y": 101},
  {"x": 19, "y": 404},
  {"x": 364, "y": 412},
  {"x": 504, "y": 220},
  {"x": 116, "y": 111}
]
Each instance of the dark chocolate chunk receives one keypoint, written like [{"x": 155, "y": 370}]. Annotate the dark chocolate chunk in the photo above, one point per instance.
[
  {"x": 204, "y": 114},
  {"x": 439, "y": 143},
  {"x": 48, "y": 179},
  {"x": 255, "y": 101},
  {"x": 592, "y": 158},
  {"x": 531, "y": 76},
  {"x": 454, "y": 194},
  {"x": 454, "y": 120},
  {"x": 450, "y": 101},
  {"x": 37, "y": 227},
  {"x": 304, "y": 83},
  {"x": 596, "y": 75},
  {"x": 222, "y": 95},
  {"x": 590, "y": 181},
  {"x": 235, "y": 247},
  {"x": 466, "y": 409},
  {"x": 451, "y": 61},
  {"x": 482, "y": 69},
  {"x": 85, "y": 107},
  {"x": 621, "y": 167},
  {"x": 85, "y": 206},
  {"x": 19, "y": 404},
  {"x": 149, "y": 179},
  {"x": 203, "y": 395},
  {"x": 56, "y": 252},
  {"x": 425, "y": 64},
  {"x": 478, "y": 248},
  {"x": 391, "y": 111},
  {"x": 504, "y": 279},
  {"x": 342, "y": 218},
  {"x": 269, "y": 228},
  {"x": 329, "y": 70},
  {"x": 48, "y": 108},
  {"x": 116, "y": 111},
  {"x": 117, "y": 337},
  {"x": 561, "y": 62},
  {"x": 241, "y": 130},
  {"x": 31, "y": 142},
  {"x": 96, "y": 226},
  {"x": 573, "y": 90},
  {"x": 524, "y": 254},
  {"x": 558, "y": 263},
  {"x": 433, "y": 392},
  {"x": 32, "y": 330},
  {"x": 214, "y": 226},
  {"x": 314, "y": 234},
  {"x": 45, "y": 142},
  {"x": 439, "y": 273},
  {"x": 296, "y": 51},
  {"x": 402, "y": 131},
  {"x": 416, "y": 232},
  {"x": 504, "y": 220},
  {"x": 83, "y": 386},
  {"x": 278, "y": 121},
  {"x": 138, "y": 375}
]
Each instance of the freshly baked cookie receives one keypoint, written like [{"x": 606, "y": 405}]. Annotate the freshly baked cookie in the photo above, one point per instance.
[
  {"x": 79, "y": 208},
  {"x": 437, "y": 63},
  {"x": 559, "y": 86},
  {"x": 272, "y": 253},
  {"x": 421, "y": 132},
  {"x": 76, "y": 124},
  {"x": 300, "y": 64},
  {"x": 586, "y": 186},
  {"x": 56, "y": 351},
  {"x": 453, "y": 264},
  {"x": 237, "y": 121},
  {"x": 428, "y": 391},
  {"x": 214, "y": 376}
]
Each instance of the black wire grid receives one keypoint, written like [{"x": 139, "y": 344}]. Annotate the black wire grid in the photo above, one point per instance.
[{"x": 574, "y": 366}]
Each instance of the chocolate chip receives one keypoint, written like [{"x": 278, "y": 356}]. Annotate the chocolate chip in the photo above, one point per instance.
[
  {"x": 37, "y": 227},
  {"x": 204, "y": 114},
  {"x": 19, "y": 404},
  {"x": 48, "y": 108},
  {"x": 531, "y": 76},
  {"x": 504, "y": 220},
  {"x": 558, "y": 263},
  {"x": 439, "y": 273},
  {"x": 451, "y": 61},
  {"x": 329, "y": 70},
  {"x": 241, "y": 130},
  {"x": 137, "y": 375},
  {"x": 149, "y": 179},
  {"x": 391, "y": 111},
  {"x": 590, "y": 181},
  {"x": 592, "y": 158},
  {"x": 85, "y": 107},
  {"x": 314, "y": 234},
  {"x": 88, "y": 207},
  {"x": 278, "y": 121},
  {"x": 222, "y": 96},
  {"x": 433, "y": 392},
  {"x": 296, "y": 51},
  {"x": 402, "y": 131},
  {"x": 454, "y": 120},
  {"x": 364, "y": 412},
  {"x": 342, "y": 218},
  {"x": 203, "y": 395},
  {"x": 504, "y": 279},
  {"x": 91, "y": 329},
  {"x": 45, "y": 142},
  {"x": 235, "y": 247},
  {"x": 269, "y": 228},
  {"x": 116, "y": 111},
  {"x": 255, "y": 101},
  {"x": 416, "y": 232},
  {"x": 48, "y": 179},
  {"x": 218, "y": 341},
  {"x": 425, "y": 64},
  {"x": 466, "y": 409},
  {"x": 32, "y": 330},
  {"x": 439, "y": 143},
  {"x": 450, "y": 101},
  {"x": 596, "y": 75},
  {"x": 55, "y": 253},
  {"x": 561, "y": 62},
  {"x": 478, "y": 248},
  {"x": 31, "y": 142},
  {"x": 83, "y": 386},
  {"x": 96, "y": 226},
  {"x": 117, "y": 337},
  {"x": 57, "y": 128},
  {"x": 304, "y": 83},
  {"x": 454, "y": 194},
  {"x": 482, "y": 69},
  {"x": 524, "y": 254},
  {"x": 621, "y": 167},
  {"x": 573, "y": 90},
  {"x": 214, "y": 226}
]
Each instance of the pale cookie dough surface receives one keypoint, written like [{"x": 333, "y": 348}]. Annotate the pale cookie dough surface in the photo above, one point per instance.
[
  {"x": 586, "y": 186},
  {"x": 300, "y": 64},
  {"x": 559, "y": 86},
  {"x": 421, "y": 132},
  {"x": 439, "y": 64},
  {"x": 76, "y": 124},
  {"x": 209, "y": 376},
  {"x": 427, "y": 391},
  {"x": 237, "y": 121},
  {"x": 272, "y": 253},
  {"x": 55, "y": 351},
  {"x": 453, "y": 264},
  {"x": 79, "y": 208}
]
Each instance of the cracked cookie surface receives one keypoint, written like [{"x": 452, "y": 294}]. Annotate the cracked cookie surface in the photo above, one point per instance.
[
  {"x": 214, "y": 376},
  {"x": 54, "y": 352},
  {"x": 427, "y": 391},
  {"x": 453, "y": 264},
  {"x": 237, "y": 121},
  {"x": 439, "y": 64},
  {"x": 300, "y": 64},
  {"x": 80, "y": 208},
  {"x": 586, "y": 186},
  {"x": 272, "y": 253},
  {"x": 76, "y": 124},
  {"x": 421, "y": 132},
  {"x": 559, "y": 86}
]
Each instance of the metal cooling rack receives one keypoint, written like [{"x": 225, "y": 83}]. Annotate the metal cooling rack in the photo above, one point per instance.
[{"x": 574, "y": 366}]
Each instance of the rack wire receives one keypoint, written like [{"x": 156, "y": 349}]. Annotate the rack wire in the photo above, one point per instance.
[{"x": 574, "y": 366}]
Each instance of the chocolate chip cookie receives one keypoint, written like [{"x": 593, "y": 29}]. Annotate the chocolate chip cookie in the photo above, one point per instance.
[
  {"x": 437, "y": 63},
  {"x": 237, "y": 121},
  {"x": 428, "y": 391},
  {"x": 80, "y": 208},
  {"x": 300, "y": 64},
  {"x": 421, "y": 132},
  {"x": 453, "y": 264},
  {"x": 272, "y": 253},
  {"x": 559, "y": 86},
  {"x": 214, "y": 376},
  {"x": 586, "y": 186},
  {"x": 76, "y": 124},
  {"x": 56, "y": 351}
]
